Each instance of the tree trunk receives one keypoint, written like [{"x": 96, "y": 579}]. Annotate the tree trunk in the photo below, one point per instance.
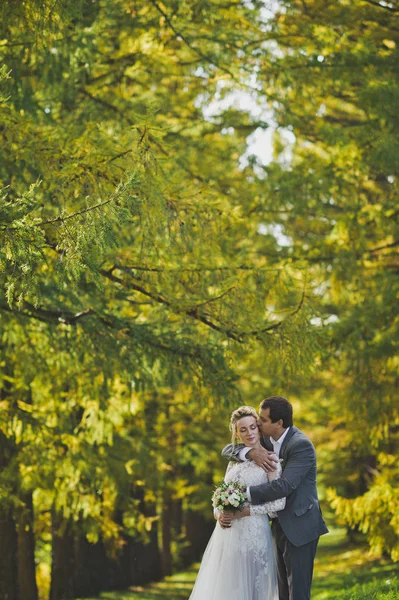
[
  {"x": 198, "y": 531},
  {"x": 62, "y": 561},
  {"x": 8, "y": 534},
  {"x": 92, "y": 568},
  {"x": 8, "y": 557},
  {"x": 177, "y": 517},
  {"x": 27, "y": 585},
  {"x": 145, "y": 559},
  {"x": 142, "y": 561},
  {"x": 166, "y": 554}
]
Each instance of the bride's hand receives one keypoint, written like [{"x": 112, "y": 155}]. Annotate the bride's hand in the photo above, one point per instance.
[
  {"x": 225, "y": 519},
  {"x": 272, "y": 475}
]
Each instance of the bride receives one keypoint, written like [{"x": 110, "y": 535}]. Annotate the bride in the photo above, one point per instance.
[{"x": 239, "y": 561}]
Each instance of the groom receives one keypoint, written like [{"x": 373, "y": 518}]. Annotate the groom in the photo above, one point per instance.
[{"x": 297, "y": 528}]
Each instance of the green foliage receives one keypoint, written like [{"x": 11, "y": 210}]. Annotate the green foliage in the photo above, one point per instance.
[
  {"x": 145, "y": 284},
  {"x": 334, "y": 86},
  {"x": 132, "y": 276},
  {"x": 388, "y": 590},
  {"x": 376, "y": 511}
]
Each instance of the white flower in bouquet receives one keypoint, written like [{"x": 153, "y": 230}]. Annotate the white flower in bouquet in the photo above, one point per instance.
[{"x": 229, "y": 496}]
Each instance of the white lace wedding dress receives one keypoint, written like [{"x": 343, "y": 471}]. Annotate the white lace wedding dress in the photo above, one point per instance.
[{"x": 239, "y": 562}]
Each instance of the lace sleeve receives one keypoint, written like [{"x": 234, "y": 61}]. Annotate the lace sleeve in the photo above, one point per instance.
[
  {"x": 228, "y": 468},
  {"x": 269, "y": 508},
  {"x": 216, "y": 511}
]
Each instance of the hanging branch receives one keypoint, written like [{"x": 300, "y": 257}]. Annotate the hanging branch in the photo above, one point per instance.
[
  {"x": 383, "y": 6},
  {"x": 187, "y": 42}
]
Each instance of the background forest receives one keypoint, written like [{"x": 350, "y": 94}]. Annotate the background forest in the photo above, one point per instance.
[{"x": 198, "y": 210}]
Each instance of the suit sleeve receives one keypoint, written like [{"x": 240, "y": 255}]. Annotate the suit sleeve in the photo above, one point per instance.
[
  {"x": 301, "y": 458},
  {"x": 232, "y": 451}
]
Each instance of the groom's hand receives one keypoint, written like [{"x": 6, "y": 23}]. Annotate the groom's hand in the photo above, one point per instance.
[{"x": 264, "y": 458}]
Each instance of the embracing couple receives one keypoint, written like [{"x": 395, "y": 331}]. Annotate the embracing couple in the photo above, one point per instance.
[{"x": 246, "y": 558}]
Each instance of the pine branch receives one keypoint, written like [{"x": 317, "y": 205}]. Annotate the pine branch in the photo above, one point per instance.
[
  {"x": 59, "y": 316},
  {"x": 184, "y": 349},
  {"x": 203, "y": 317},
  {"x": 121, "y": 113},
  {"x": 47, "y": 315},
  {"x": 201, "y": 269},
  {"x": 392, "y": 245},
  {"x": 106, "y": 104},
  {"x": 383, "y": 6},
  {"x": 257, "y": 332},
  {"x": 178, "y": 34},
  {"x": 74, "y": 215},
  {"x": 191, "y": 312},
  {"x": 114, "y": 196}
]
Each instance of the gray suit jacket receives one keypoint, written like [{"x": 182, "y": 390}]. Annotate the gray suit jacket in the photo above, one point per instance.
[{"x": 301, "y": 520}]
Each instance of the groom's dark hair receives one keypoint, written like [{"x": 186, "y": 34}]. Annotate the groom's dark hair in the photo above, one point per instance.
[{"x": 279, "y": 408}]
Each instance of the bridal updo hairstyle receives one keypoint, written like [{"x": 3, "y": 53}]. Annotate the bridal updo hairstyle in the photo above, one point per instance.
[{"x": 236, "y": 415}]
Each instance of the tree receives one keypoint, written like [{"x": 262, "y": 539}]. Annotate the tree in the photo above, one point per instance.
[
  {"x": 334, "y": 89},
  {"x": 126, "y": 262}
]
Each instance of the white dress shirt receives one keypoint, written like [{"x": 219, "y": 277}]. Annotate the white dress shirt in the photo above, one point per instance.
[
  {"x": 276, "y": 449},
  {"x": 278, "y": 443}
]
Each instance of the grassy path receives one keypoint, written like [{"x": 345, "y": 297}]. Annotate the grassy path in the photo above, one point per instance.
[{"x": 339, "y": 567}]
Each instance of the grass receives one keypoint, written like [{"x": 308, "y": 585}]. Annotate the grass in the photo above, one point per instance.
[
  {"x": 342, "y": 572},
  {"x": 347, "y": 572}
]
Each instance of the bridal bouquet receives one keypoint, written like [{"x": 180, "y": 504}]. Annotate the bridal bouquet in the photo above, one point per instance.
[{"x": 229, "y": 496}]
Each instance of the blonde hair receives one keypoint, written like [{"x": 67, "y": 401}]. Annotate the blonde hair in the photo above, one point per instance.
[{"x": 236, "y": 415}]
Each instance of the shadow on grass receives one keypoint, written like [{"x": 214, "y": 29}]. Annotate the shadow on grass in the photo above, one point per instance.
[
  {"x": 175, "y": 587},
  {"x": 339, "y": 567}
]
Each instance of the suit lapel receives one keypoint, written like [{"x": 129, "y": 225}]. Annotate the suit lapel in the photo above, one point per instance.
[{"x": 286, "y": 440}]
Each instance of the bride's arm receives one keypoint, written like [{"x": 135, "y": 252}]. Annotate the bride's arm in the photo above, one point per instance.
[
  {"x": 268, "y": 507},
  {"x": 223, "y": 517}
]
